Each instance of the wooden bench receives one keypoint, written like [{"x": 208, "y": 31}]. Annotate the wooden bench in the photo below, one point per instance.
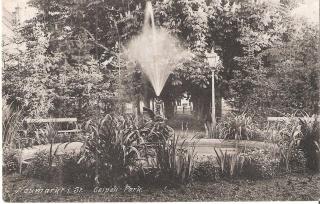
[
  {"x": 281, "y": 119},
  {"x": 49, "y": 120},
  {"x": 56, "y": 120}
]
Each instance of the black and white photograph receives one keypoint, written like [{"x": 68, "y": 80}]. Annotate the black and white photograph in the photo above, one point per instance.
[{"x": 160, "y": 100}]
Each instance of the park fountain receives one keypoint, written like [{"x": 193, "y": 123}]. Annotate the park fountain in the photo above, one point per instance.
[{"x": 156, "y": 51}]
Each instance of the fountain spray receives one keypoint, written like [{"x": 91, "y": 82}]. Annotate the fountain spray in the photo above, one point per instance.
[{"x": 156, "y": 51}]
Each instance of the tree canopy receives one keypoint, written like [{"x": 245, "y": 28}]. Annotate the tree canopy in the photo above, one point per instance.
[{"x": 74, "y": 60}]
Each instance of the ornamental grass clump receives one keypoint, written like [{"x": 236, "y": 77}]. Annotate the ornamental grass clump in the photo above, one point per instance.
[
  {"x": 236, "y": 127},
  {"x": 229, "y": 165},
  {"x": 205, "y": 171},
  {"x": 289, "y": 136},
  {"x": 260, "y": 163},
  {"x": 112, "y": 146},
  {"x": 310, "y": 142},
  {"x": 40, "y": 166},
  {"x": 10, "y": 162},
  {"x": 11, "y": 124},
  {"x": 175, "y": 162},
  {"x": 120, "y": 147}
]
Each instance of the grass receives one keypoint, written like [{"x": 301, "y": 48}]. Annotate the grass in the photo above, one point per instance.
[{"x": 292, "y": 187}]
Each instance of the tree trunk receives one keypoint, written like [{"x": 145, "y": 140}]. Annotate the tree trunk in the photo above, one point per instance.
[
  {"x": 138, "y": 107},
  {"x": 168, "y": 108}
]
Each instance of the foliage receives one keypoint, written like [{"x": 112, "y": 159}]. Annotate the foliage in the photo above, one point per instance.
[
  {"x": 112, "y": 145},
  {"x": 238, "y": 127},
  {"x": 155, "y": 131},
  {"x": 174, "y": 162},
  {"x": 288, "y": 139},
  {"x": 260, "y": 164},
  {"x": 40, "y": 166},
  {"x": 75, "y": 173},
  {"x": 230, "y": 165},
  {"x": 79, "y": 62},
  {"x": 55, "y": 82},
  {"x": 11, "y": 124},
  {"x": 310, "y": 142},
  {"x": 204, "y": 171},
  {"x": 292, "y": 82},
  {"x": 10, "y": 162}
]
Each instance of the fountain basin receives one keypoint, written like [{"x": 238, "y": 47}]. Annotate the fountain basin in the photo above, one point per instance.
[{"x": 205, "y": 147}]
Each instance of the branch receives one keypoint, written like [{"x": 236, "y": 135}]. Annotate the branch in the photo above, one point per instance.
[{"x": 95, "y": 41}]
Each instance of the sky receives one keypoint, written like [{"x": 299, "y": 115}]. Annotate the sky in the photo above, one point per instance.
[{"x": 309, "y": 10}]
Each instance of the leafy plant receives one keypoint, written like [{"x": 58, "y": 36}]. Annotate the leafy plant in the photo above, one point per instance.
[
  {"x": 238, "y": 127},
  {"x": 39, "y": 167},
  {"x": 72, "y": 172},
  {"x": 10, "y": 162},
  {"x": 11, "y": 124},
  {"x": 205, "y": 171},
  {"x": 288, "y": 139},
  {"x": 112, "y": 144},
  {"x": 230, "y": 165},
  {"x": 260, "y": 163},
  {"x": 310, "y": 142},
  {"x": 174, "y": 161}
]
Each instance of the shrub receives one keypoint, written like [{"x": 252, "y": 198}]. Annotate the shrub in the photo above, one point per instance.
[
  {"x": 238, "y": 127},
  {"x": 11, "y": 124},
  {"x": 310, "y": 143},
  {"x": 204, "y": 171},
  {"x": 288, "y": 139},
  {"x": 174, "y": 162},
  {"x": 40, "y": 166},
  {"x": 10, "y": 162},
  {"x": 73, "y": 172},
  {"x": 230, "y": 165},
  {"x": 112, "y": 146},
  {"x": 260, "y": 164}
]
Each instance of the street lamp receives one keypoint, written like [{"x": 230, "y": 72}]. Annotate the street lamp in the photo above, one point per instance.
[{"x": 213, "y": 59}]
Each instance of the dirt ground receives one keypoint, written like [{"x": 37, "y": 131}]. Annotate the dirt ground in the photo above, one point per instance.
[{"x": 295, "y": 187}]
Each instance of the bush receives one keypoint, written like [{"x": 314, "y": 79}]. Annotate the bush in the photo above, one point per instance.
[
  {"x": 260, "y": 164},
  {"x": 11, "y": 124},
  {"x": 115, "y": 143},
  {"x": 174, "y": 162},
  {"x": 10, "y": 162},
  {"x": 72, "y": 172},
  {"x": 205, "y": 171},
  {"x": 236, "y": 127},
  {"x": 288, "y": 139},
  {"x": 40, "y": 166},
  {"x": 310, "y": 143},
  {"x": 230, "y": 165}
]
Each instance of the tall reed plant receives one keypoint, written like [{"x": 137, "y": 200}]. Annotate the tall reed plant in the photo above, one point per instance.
[
  {"x": 112, "y": 146},
  {"x": 310, "y": 142},
  {"x": 11, "y": 125},
  {"x": 175, "y": 161},
  {"x": 230, "y": 165},
  {"x": 236, "y": 127}
]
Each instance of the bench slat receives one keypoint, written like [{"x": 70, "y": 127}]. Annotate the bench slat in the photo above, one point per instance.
[
  {"x": 288, "y": 118},
  {"x": 69, "y": 131},
  {"x": 51, "y": 120}
]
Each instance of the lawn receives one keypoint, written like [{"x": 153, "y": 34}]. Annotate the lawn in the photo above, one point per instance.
[{"x": 291, "y": 187}]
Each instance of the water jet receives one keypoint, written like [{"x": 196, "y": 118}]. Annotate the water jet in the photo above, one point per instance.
[{"x": 155, "y": 50}]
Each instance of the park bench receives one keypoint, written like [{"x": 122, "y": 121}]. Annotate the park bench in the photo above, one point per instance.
[
  {"x": 56, "y": 120},
  {"x": 283, "y": 119},
  {"x": 24, "y": 160}
]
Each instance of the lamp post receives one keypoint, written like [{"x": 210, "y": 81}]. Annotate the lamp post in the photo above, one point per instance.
[{"x": 212, "y": 58}]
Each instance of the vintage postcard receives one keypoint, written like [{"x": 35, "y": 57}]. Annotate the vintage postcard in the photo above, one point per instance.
[{"x": 160, "y": 100}]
